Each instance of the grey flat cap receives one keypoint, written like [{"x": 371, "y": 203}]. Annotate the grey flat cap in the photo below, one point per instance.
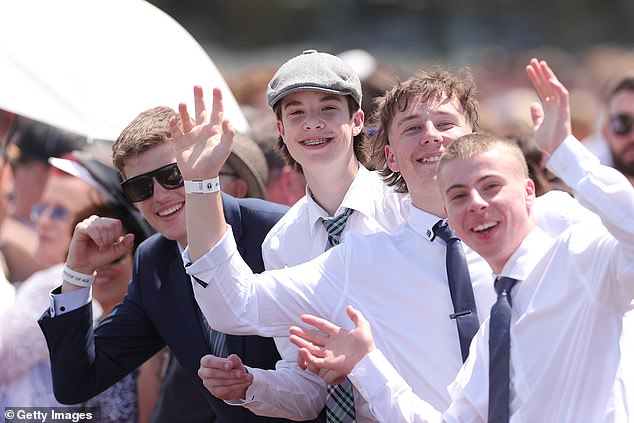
[{"x": 315, "y": 71}]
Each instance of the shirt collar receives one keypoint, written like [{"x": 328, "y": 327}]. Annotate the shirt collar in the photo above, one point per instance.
[
  {"x": 356, "y": 198},
  {"x": 524, "y": 259},
  {"x": 422, "y": 222}
]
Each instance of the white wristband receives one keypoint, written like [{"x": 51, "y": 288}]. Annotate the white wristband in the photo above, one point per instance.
[
  {"x": 76, "y": 278},
  {"x": 202, "y": 186}
]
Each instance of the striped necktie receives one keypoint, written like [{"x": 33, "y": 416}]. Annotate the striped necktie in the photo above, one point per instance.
[{"x": 340, "y": 398}]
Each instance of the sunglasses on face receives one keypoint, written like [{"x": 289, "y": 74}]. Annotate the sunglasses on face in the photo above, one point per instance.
[
  {"x": 56, "y": 213},
  {"x": 621, "y": 124},
  {"x": 141, "y": 187}
]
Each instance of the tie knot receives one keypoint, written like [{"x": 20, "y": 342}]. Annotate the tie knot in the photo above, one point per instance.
[
  {"x": 335, "y": 227},
  {"x": 442, "y": 230},
  {"x": 504, "y": 284}
]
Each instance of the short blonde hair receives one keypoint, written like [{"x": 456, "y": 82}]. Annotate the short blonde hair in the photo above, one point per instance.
[{"x": 476, "y": 143}]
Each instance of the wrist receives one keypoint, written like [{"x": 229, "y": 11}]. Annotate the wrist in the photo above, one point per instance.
[
  {"x": 73, "y": 277},
  {"x": 202, "y": 186}
]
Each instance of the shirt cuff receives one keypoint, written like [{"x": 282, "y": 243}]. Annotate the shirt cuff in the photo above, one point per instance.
[
  {"x": 205, "y": 267},
  {"x": 372, "y": 374},
  {"x": 68, "y": 301},
  {"x": 571, "y": 160}
]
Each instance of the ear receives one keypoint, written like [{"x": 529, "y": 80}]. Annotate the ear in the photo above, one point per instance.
[
  {"x": 357, "y": 122},
  {"x": 280, "y": 128},
  {"x": 390, "y": 157},
  {"x": 529, "y": 189}
]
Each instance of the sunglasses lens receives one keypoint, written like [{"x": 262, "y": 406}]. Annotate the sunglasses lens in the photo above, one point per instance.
[
  {"x": 621, "y": 124},
  {"x": 170, "y": 177},
  {"x": 141, "y": 187},
  {"x": 138, "y": 188}
]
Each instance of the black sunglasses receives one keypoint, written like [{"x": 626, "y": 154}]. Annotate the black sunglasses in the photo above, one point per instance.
[
  {"x": 141, "y": 187},
  {"x": 621, "y": 124}
]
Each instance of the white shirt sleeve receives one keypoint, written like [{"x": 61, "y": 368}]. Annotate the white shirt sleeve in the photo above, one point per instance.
[
  {"x": 606, "y": 192},
  {"x": 286, "y": 392},
  {"x": 236, "y": 301},
  {"x": 390, "y": 398}
]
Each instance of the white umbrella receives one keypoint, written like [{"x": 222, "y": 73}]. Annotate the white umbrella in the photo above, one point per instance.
[{"x": 90, "y": 66}]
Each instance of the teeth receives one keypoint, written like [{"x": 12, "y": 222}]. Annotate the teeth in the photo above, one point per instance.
[
  {"x": 316, "y": 142},
  {"x": 484, "y": 226},
  {"x": 171, "y": 210},
  {"x": 430, "y": 159}
]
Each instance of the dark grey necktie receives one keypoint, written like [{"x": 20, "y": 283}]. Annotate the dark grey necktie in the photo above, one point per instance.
[
  {"x": 217, "y": 341},
  {"x": 499, "y": 351},
  {"x": 340, "y": 398},
  {"x": 460, "y": 288}
]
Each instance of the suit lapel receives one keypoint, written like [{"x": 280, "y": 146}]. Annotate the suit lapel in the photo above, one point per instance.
[
  {"x": 234, "y": 218},
  {"x": 235, "y": 344},
  {"x": 185, "y": 303}
]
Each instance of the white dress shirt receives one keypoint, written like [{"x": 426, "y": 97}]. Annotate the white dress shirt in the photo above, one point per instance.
[
  {"x": 397, "y": 281},
  {"x": 566, "y": 321},
  {"x": 298, "y": 237}
]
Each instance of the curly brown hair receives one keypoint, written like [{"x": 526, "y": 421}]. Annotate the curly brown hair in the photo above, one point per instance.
[{"x": 423, "y": 85}]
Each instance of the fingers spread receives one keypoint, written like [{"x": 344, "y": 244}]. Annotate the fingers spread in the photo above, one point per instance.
[
  {"x": 186, "y": 120},
  {"x": 321, "y": 324},
  {"x": 199, "y": 105},
  {"x": 217, "y": 110}
]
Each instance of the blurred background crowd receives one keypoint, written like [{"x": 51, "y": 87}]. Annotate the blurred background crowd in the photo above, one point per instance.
[{"x": 589, "y": 44}]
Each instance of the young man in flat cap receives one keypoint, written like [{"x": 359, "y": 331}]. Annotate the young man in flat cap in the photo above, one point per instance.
[{"x": 316, "y": 98}]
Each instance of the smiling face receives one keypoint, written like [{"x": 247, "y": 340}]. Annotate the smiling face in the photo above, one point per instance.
[
  {"x": 165, "y": 209},
  {"x": 418, "y": 136},
  {"x": 318, "y": 130},
  {"x": 488, "y": 199}
]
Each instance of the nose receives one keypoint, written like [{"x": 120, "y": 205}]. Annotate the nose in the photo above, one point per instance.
[
  {"x": 431, "y": 134},
  {"x": 477, "y": 203},
  {"x": 313, "y": 121},
  {"x": 157, "y": 189}
]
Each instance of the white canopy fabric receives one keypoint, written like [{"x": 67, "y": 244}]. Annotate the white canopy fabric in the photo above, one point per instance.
[{"x": 91, "y": 66}]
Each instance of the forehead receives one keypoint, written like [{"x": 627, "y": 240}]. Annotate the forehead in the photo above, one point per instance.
[
  {"x": 418, "y": 107},
  {"x": 149, "y": 160},
  {"x": 303, "y": 96},
  {"x": 623, "y": 101},
  {"x": 468, "y": 172},
  {"x": 68, "y": 191}
]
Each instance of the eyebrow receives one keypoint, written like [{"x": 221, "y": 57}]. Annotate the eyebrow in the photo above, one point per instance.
[
  {"x": 414, "y": 116},
  {"x": 457, "y": 186},
  {"x": 327, "y": 98}
]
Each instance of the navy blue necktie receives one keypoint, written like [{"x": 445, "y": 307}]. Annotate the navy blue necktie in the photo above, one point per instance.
[
  {"x": 499, "y": 352},
  {"x": 460, "y": 288}
]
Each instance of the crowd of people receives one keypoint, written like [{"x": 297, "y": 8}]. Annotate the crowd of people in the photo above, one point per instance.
[{"x": 376, "y": 248}]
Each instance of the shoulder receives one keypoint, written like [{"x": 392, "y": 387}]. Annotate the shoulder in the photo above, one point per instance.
[
  {"x": 295, "y": 216},
  {"x": 239, "y": 208},
  {"x": 156, "y": 244}
]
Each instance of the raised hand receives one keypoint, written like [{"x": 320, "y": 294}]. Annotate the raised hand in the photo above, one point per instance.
[
  {"x": 202, "y": 145},
  {"x": 225, "y": 378},
  {"x": 551, "y": 118},
  {"x": 332, "y": 350},
  {"x": 96, "y": 242}
]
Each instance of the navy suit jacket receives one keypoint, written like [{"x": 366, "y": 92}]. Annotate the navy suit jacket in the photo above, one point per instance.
[{"x": 159, "y": 309}]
